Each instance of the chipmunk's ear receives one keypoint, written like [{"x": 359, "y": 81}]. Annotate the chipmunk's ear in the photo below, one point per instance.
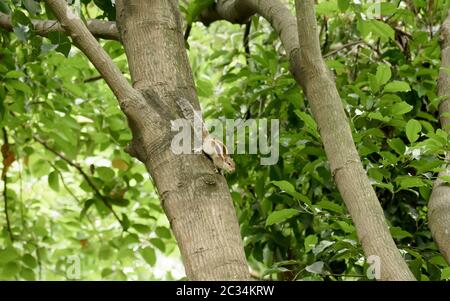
[{"x": 219, "y": 148}]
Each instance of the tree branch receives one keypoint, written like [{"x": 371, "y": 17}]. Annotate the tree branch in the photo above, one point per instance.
[
  {"x": 439, "y": 203},
  {"x": 246, "y": 40},
  {"x": 349, "y": 44},
  {"x": 279, "y": 16},
  {"x": 99, "y": 28},
  {"x": 346, "y": 167},
  {"x": 309, "y": 69},
  {"x": 6, "y": 163},
  {"x": 61, "y": 176},
  {"x": 82, "y": 172}
]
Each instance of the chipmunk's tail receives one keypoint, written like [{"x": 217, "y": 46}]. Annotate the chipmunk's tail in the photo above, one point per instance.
[{"x": 194, "y": 116}]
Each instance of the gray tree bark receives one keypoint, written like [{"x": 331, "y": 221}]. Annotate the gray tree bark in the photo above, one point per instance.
[
  {"x": 308, "y": 68},
  {"x": 346, "y": 167},
  {"x": 439, "y": 203},
  {"x": 195, "y": 198}
]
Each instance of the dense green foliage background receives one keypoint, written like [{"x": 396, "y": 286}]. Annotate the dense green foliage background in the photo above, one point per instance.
[{"x": 64, "y": 162}]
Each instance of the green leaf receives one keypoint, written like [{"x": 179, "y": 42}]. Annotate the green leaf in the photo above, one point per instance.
[
  {"x": 445, "y": 274},
  {"x": 195, "y": 7},
  {"x": 105, "y": 252},
  {"x": 27, "y": 274},
  {"x": 438, "y": 260},
  {"x": 125, "y": 221},
  {"x": 204, "y": 88},
  {"x": 280, "y": 216},
  {"x": 29, "y": 261},
  {"x": 398, "y": 233},
  {"x": 397, "y": 145},
  {"x": 19, "y": 17},
  {"x": 284, "y": 185},
  {"x": 53, "y": 180},
  {"x": 378, "y": 29},
  {"x": 163, "y": 232},
  {"x": 86, "y": 207},
  {"x": 15, "y": 74},
  {"x": 445, "y": 178},
  {"x": 148, "y": 253},
  {"x": 383, "y": 74},
  {"x": 141, "y": 228},
  {"x": 346, "y": 227},
  {"x": 343, "y": 5},
  {"x": 309, "y": 122},
  {"x": 413, "y": 128},
  {"x": 8, "y": 254},
  {"x": 326, "y": 8},
  {"x": 275, "y": 270},
  {"x": 406, "y": 182},
  {"x": 157, "y": 242},
  {"x": 105, "y": 173},
  {"x": 118, "y": 201},
  {"x": 106, "y": 272},
  {"x": 10, "y": 270},
  {"x": 289, "y": 188},
  {"x": 401, "y": 108},
  {"x": 4, "y": 8},
  {"x": 327, "y": 205},
  {"x": 397, "y": 86},
  {"x": 310, "y": 241},
  {"x": 19, "y": 86},
  {"x": 63, "y": 42},
  {"x": 130, "y": 239}
]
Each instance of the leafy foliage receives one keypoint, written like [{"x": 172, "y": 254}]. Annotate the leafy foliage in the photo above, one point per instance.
[
  {"x": 67, "y": 168},
  {"x": 292, "y": 218}
]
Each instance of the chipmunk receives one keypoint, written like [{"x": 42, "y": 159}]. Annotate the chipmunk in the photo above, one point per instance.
[{"x": 211, "y": 146}]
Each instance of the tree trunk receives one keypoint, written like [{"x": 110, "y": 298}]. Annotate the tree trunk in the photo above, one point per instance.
[
  {"x": 439, "y": 203},
  {"x": 308, "y": 68},
  {"x": 346, "y": 167},
  {"x": 195, "y": 198}
]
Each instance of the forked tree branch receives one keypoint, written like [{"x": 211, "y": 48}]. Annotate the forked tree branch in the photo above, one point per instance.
[
  {"x": 83, "y": 174},
  {"x": 99, "y": 28}
]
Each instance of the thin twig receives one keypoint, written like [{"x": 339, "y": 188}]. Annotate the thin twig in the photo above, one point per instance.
[
  {"x": 342, "y": 48},
  {"x": 5, "y": 183},
  {"x": 246, "y": 40},
  {"x": 187, "y": 32},
  {"x": 82, "y": 172},
  {"x": 92, "y": 78},
  {"x": 74, "y": 197}
]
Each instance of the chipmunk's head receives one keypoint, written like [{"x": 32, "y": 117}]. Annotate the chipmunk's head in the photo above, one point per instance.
[{"x": 228, "y": 164}]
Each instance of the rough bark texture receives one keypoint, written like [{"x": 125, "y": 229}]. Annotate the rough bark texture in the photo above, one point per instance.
[
  {"x": 308, "y": 68},
  {"x": 439, "y": 203},
  {"x": 195, "y": 198},
  {"x": 346, "y": 167}
]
